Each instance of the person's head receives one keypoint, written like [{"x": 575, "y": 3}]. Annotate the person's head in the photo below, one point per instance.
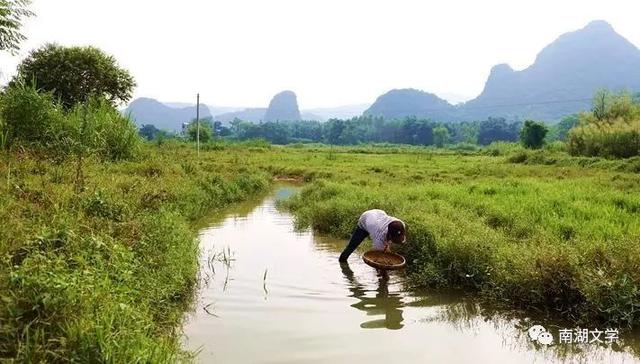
[{"x": 397, "y": 232}]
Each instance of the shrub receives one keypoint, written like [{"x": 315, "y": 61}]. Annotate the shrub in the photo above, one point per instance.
[
  {"x": 121, "y": 140},
  {"x": 617, "y": 139},
  {"x": 98, "y": 128},
  {"x": 29, "y": 116},
  {"x": 206, "y": 134},
  {"x": 611, "y": 129}
]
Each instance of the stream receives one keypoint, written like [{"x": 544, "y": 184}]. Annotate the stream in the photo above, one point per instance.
[{"x": 271, "y": 294}]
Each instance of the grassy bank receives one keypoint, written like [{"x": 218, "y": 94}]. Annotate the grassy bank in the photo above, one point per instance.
[
  {"x": 540, "y": 230},
  {"x": 105, "y": 274}
]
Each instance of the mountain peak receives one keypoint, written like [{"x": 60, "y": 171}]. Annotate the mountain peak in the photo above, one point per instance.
[
  {"x": 284, "y": 107},
  {"x": 399, "y": 103},
  {"x": 599, "y": 25},
  {"x": 570, "y": 68},
  {"x": 561, "y": 81},
  {"x": 500, "y": 71},
  {"x": 146, "y": 110}
]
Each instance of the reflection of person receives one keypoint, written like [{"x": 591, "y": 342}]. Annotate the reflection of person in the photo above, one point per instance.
[
  {"x": 383, "y": 303},
  {"x": 382, "y": 229}
]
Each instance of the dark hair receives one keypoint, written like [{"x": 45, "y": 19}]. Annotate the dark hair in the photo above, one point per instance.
[{"x": 396, "y": 232}]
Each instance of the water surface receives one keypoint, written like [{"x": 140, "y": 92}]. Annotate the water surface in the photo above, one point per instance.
[{"x": 270, "y": 294}]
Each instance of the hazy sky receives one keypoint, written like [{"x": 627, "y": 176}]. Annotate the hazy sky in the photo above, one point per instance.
[{"x": 330, "y": 52}]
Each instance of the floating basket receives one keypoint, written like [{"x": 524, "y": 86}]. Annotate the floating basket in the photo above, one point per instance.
[{"x": 382, "y": 260}]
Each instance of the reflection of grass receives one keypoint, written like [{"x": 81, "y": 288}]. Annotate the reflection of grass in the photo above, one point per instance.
[
  {"x": 224, "y": 256},
  {"x": 208, "y": 308},
  {"x": 466, "y": 315},
  {"x": 264, "y": 283}
]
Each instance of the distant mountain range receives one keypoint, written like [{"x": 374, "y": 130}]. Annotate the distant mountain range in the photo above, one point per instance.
[
  {"x": 149, "y": 111},
  {"x": 561, "y": 81},
  {"x": 283, "y": 106}
]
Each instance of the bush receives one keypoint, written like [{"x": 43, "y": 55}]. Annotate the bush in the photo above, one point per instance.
[
  {"x": 617, "y": 139},
  {"x": 29, "y": 116},
  {"x": 610, "y": 130},
  {"x": 121, "y": 140},
  {"x": 33, "y": 117},
  {"x": 206, "y": 134},
  {"x": 98, "y": 128}
]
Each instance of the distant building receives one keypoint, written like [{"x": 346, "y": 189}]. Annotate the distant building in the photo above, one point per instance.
[{"x": 185, "y": 127}]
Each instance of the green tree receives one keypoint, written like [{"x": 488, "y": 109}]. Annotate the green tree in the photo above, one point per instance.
[
  {"x": 148, "y": 131},
  {"x": 333, "y": 131},
  {"x": 609, "y": 106},
  {"x": 275, "y": 132},
  {"x": 220, "y": 130},
  {"x": 12, "y": 15},
  {"x": 497, "y": 129},
  {"x": 440, "y": 136},
  {"x": 75, "y": 74},
  {"x": 532, "y": 134},
  {"x": 560, "y": 131},
  {"x": 206, "y": 134}
]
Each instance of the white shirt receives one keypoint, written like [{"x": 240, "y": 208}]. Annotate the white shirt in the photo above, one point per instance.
[{"x": 376, "y": 223}]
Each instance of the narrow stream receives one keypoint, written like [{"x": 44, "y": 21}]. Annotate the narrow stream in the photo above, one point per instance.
[{"x": 270, "y": 294}]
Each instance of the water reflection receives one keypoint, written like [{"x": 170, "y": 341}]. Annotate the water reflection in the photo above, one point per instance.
[{"x": 383, "y": 303}]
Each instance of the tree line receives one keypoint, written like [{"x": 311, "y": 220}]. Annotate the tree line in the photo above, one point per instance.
[{"x": 370, "y": 129}]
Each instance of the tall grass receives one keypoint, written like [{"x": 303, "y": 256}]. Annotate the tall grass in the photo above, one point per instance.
[
  {"x": 610, "y": 130},
  {"x": 558, "y": 238},
  {"x": 105, "y": 274},
  {"x": 33, "y": 118},
  {"x": 30, "y": 117},
  {"x": 615, "y": 139}
]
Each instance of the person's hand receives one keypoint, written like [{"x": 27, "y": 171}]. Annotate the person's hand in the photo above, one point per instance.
[{"x": 387, "y": 248}]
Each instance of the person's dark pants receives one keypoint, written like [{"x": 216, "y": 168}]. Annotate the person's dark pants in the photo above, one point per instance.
[{"x": 357, "y": 237}]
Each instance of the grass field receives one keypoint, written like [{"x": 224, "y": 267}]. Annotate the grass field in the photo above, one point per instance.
[{"x": 106, "y": 274}]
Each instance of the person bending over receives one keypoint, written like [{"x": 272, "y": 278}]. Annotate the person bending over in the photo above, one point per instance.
[{"x": 382, "y": 228}]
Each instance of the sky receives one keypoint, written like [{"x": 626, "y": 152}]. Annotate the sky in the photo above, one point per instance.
[{"x": 330, "y": 52}]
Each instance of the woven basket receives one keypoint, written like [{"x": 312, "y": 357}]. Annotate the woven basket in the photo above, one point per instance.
[{"x": 381, "y": 260}]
